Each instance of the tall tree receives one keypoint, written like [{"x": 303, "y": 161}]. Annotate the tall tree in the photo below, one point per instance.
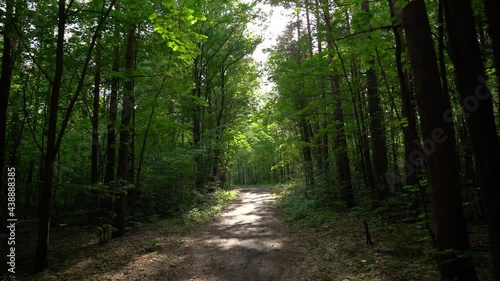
[
  {"x": 340, "y": 142},
  {"x": 94, "y": 174},
  {"x": 410, "y": 133},
  {"x": 5, "y": 83},
  {"x": 377, "y": 130},
  {"x": 438, "y": 147},
  {"x": 54, "y": 140},
  {"x": 113, "y": 105},
  {"x": 50, "y": 155},
  {"x": 124, "y": 151},
  {"x": 477, "y": 103},
  {"x": 494, "y": 31},
  {"x": 300, "y": 106}
]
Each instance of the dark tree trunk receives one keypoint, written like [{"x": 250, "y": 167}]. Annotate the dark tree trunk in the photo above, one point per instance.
[
  {"x": 464, "y": 141},
  {"x": 325, "y": 153},
  {"x": 316, "y": 134},
  {"x": 94, "y": 173},
  {"x": 113, "y": 113},
  {"x": 305, "y": 132},
  {"x": 364, "y": 147},
  {"x": 5, "y": 85},
  {"x": 219, "y": 130},
  {"x": 377, "y": 131},
  {"x": 341, "y": 157},
  {"x": 439, "y": 150},
  {"x": 196, "y": 92},
  {"x": 131, "y": 160},
  {"x": 410, "y": 133},
  {"x": 122, "y": 172},
  {"x": 478, "y": 107},
  {"x": 306, "y": 151},
  {"x": 343, "y": 175},
  {"x": 493, "y": 21},
  {"x": 47, "y": 175}
]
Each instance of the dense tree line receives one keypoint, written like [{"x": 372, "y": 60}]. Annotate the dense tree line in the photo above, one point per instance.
[
  {"x": 129, "y": 105},
  {"x": 386, "y": 99}
]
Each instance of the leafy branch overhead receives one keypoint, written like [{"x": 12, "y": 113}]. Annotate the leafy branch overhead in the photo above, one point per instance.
[{"x": 176, "y": 25}]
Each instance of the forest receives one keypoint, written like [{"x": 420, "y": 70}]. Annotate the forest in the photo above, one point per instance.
[{"x": 143, "y": 140}]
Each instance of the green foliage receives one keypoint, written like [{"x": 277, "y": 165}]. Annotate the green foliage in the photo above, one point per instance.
[
  {"x": 297, "y": 208},
  {"x": 175, "y": 27},
  {"x": 104, "y": 233},
  {"x": 111, "y": 191},
  {"x": 167, "y": 193},
  {"x": 151, "y": 245},
  {"x": 209, "y": 205},
  {"x": 204, "y": 207}
]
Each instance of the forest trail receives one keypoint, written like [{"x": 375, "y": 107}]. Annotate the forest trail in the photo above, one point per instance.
[{"x": 247, "y": 242}]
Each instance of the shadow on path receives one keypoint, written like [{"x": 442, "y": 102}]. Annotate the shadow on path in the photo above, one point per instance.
[{"x": 246, "y": 243}]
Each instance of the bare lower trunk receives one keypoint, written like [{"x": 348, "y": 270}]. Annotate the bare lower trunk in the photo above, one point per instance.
[
  {"x": 340, "y": 142},
  {"x": 95, "y": 120},
  {"x": 125, "y": 133},
  {"x": 377, "y": 131},
  {"x": 50, "y": 155},
  {"x": 5, "y": 85},
  {"x": 493, "y": 21},
  {"x": 439, "y": 149},
  {"x": 410, "y": 133},
  {"x": 477, "y": 103}
]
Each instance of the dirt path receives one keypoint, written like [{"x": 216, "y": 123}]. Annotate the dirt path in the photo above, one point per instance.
[{"x": 246, "y": 243}]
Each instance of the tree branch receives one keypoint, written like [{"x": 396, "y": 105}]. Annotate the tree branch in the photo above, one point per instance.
[
  {"x": 368, "y": 31},
  {"x": 79, "y": 88}
]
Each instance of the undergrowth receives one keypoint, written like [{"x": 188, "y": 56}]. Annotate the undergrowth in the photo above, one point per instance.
[
  {"x": 206, "y": 207},
  {"x": 337, "y": 240},
  {"x": 209, "y": 206},
  {"x": 82, "y": 239},
  {"x": 300, "y": 207}
]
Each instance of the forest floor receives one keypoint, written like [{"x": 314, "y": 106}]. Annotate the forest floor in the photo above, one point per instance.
[{"x": 247, "y": 241}]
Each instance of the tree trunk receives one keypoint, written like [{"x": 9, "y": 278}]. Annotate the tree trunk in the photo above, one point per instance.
[
  {"x": 494, "y": 31},
  {"x": 50, "y": 155},
  {"x": 317, "y": 135},
  {"x": 410, "y": 133},
  {"x": 377, "y": 131},
  {"x": 340, "y": 142},
  {"x": 325, "y": 153},
  {"x": 306, "y": 151},
  {"x": 94, "y": 174},
  {"x": 305, "y": 133},
  {"x": 125, "y": 132},
  {"x": 218, "y": 129},
  {"x": 196, "y": 93},
  {"x": 341, "y": 156},
  {"x": 5, "y": 85},
  {"x": 439, "y": 149},
  {"x": 478, "y": 107},
  {"x": 113, "y": 113}
]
